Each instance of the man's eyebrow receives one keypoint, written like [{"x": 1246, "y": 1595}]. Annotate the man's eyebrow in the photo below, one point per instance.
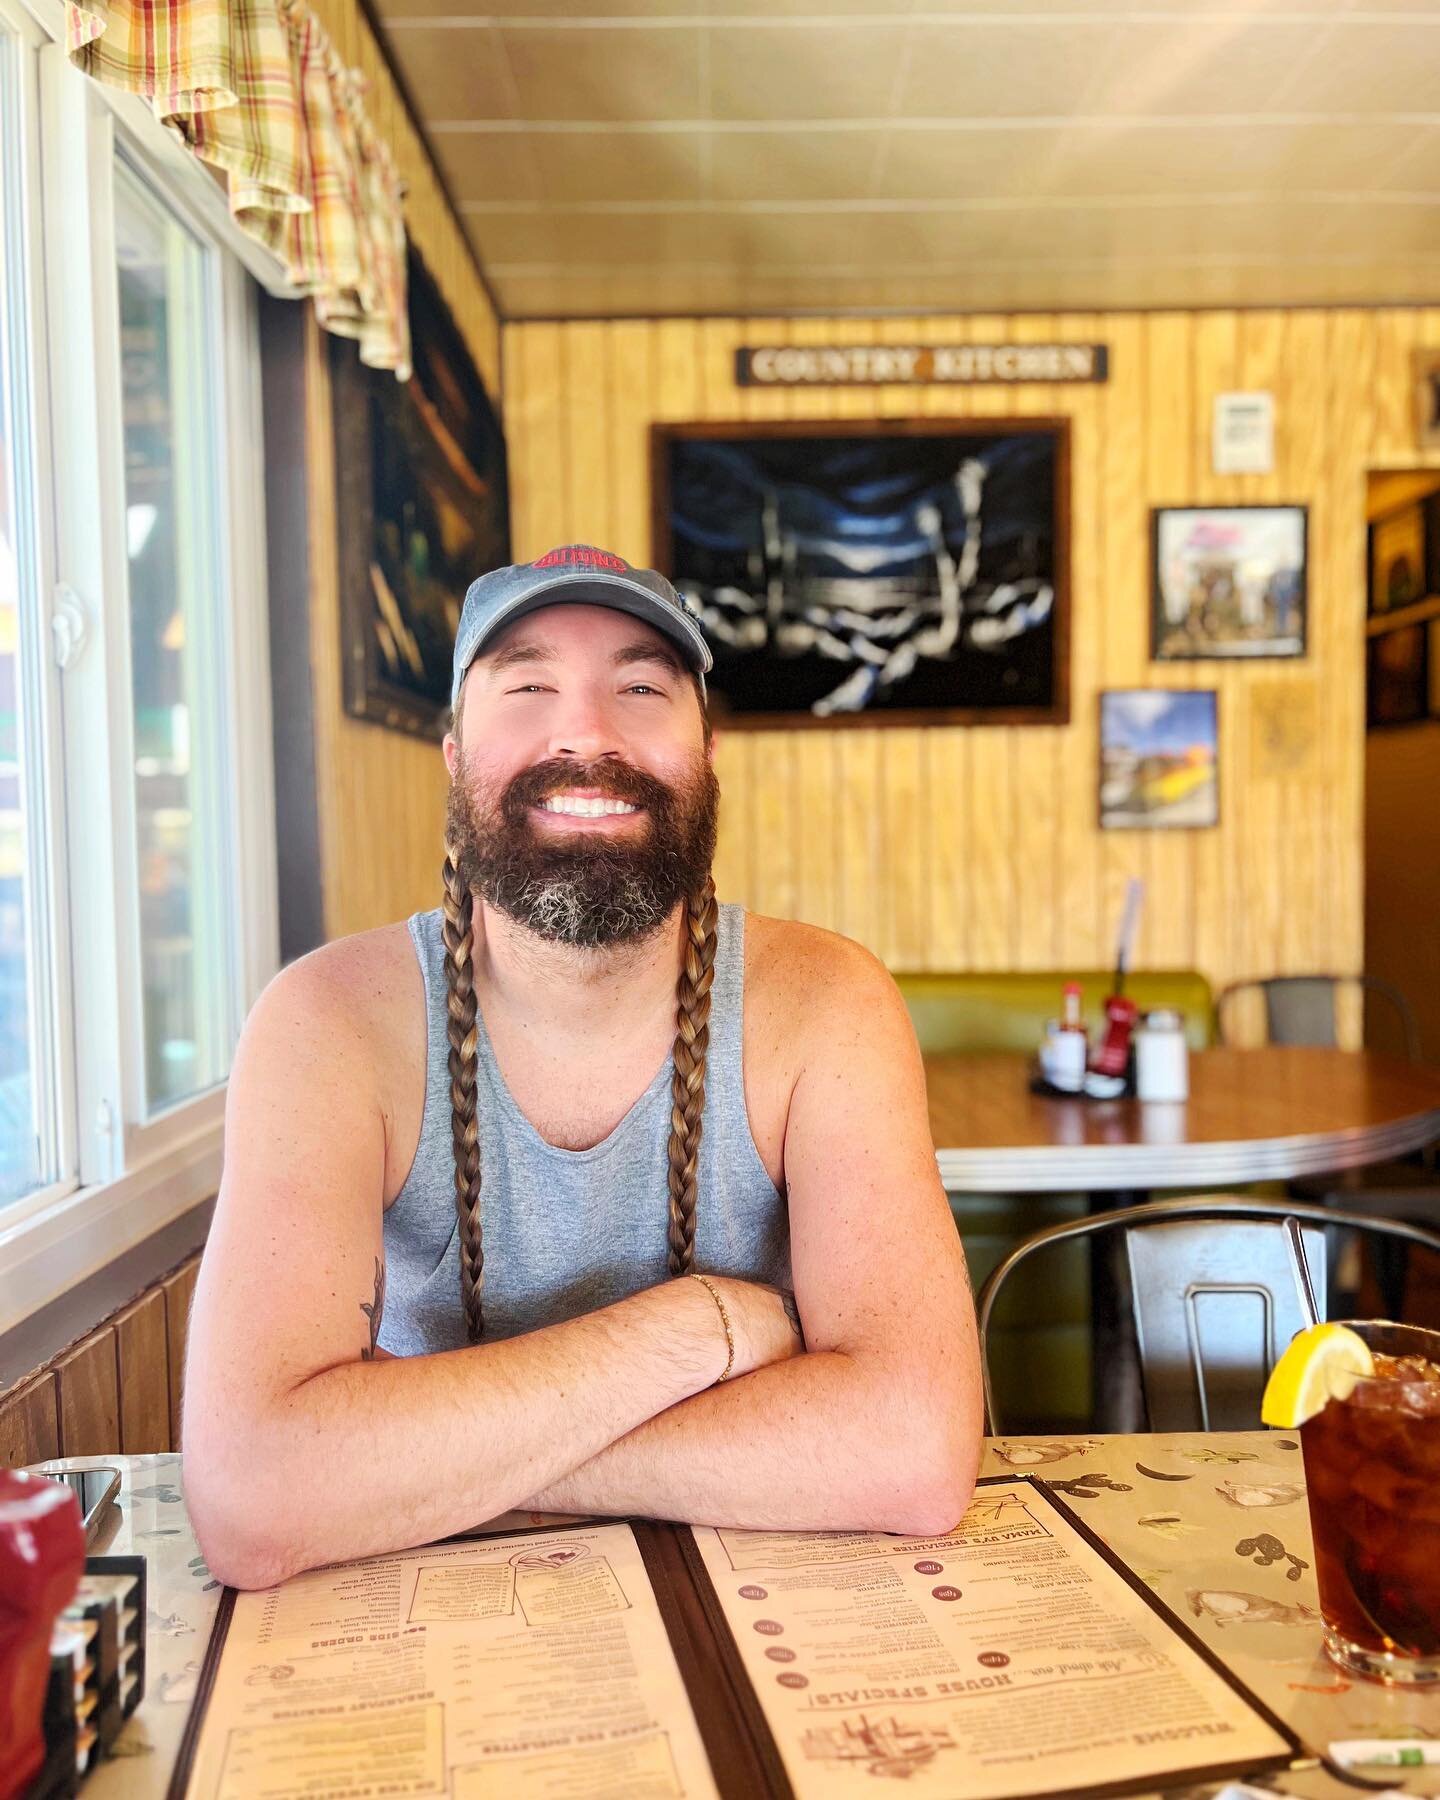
[
  {"x": 644, "y": 652},
  {"x": 523, "y": 650},
  {"x": 526, "y": 650}
]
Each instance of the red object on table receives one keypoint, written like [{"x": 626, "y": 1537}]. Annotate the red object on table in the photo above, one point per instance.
[
  {"x": 42, "y": 1557},
  {"x": 1112, "y": 1056}
]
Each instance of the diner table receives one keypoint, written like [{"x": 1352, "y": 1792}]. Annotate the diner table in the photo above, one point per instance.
[
  {"x": 1216, "y": 1524},
  {"x": 1265, "y": 1114}
]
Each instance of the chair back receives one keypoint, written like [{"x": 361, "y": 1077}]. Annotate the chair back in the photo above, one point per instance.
[
  {"x": 1218, "y": 1292},
  {"x": 1214, "y": 1307},
  {"x": 1300, "y": 1009}
]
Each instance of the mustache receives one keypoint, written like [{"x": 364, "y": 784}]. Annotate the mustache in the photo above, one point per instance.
[{"x": 615, "y": 781}]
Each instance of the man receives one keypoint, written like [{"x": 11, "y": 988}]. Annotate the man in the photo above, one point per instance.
[{"x": 498, "y": 1140}]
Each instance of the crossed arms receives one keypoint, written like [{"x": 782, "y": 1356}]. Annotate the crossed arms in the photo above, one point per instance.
[{"x": 301, "y": 1447}]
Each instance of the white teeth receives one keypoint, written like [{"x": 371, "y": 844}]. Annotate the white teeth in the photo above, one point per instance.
[{"x": 587, "y": 809}]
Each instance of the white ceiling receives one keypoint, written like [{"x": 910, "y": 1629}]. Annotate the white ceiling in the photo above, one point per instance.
[{"x": 766, "y": 156}]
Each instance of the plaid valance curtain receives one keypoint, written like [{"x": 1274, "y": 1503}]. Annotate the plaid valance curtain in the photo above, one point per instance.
[{"x": 256, "y": 88}]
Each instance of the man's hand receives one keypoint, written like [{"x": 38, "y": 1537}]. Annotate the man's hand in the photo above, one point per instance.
[{"x": 763, "y": 1322}]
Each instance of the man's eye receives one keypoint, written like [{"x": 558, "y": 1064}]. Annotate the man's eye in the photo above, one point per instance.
[
  {"x": 642, "y": 687},
  {"x": 532, "y": 687}
]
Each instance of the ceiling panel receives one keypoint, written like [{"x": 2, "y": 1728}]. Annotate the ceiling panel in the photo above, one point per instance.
[
  {"x": 840, "y": 71},
  {"x": 1207, "y": 63},
  {"x": 455, "y": 74},
  {"x": 1368, "y": 68},
  {"x": 794, "y": 165},
  {"x": 710, "y": 156},
  {"x": 620, "y": 167},
  {"x": 602, "y": 74},
  {"x": 488, "y": 166},
  {"x": 1011, "y": 68}
]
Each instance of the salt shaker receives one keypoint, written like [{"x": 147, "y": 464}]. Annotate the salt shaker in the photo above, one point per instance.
[{"x": 1162, "y": 1058}]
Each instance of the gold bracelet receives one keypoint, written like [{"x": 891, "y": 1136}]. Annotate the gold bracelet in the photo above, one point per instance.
[{"x": 714, "y": 1293}]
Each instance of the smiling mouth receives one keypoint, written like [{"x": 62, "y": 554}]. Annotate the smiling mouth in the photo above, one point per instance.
[{"x": 571, "y": 807}]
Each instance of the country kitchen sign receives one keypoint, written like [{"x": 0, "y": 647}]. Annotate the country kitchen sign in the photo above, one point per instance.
[{"x": 843, "y": 365}]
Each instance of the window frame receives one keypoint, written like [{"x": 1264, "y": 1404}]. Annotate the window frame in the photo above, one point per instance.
[{"x": 126, "y": 1175}]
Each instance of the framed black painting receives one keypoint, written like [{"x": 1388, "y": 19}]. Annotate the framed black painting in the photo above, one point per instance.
[
  {"x": 885, "y": 572},
  {"x": 422, "y": 509}
]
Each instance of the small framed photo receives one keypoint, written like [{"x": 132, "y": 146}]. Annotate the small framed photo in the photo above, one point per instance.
[
  {"x": 1398, "y": 676},
  {"x": 1397, "y": 559},
  {"x": 1159, "y": 759},
  {"x": 1227, "y": 581}
]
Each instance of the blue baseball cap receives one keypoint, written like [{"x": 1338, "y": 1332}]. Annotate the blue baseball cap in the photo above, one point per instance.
[{"x": 575, "y": 575}]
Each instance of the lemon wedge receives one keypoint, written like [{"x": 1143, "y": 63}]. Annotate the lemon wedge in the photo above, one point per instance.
[{"x": 1322, "y": 1363}]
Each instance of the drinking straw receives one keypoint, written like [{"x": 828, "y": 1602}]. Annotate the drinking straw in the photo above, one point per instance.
[
  {"x": 1302, "y": 1270},
  {"x": 1129, "y": 919}
]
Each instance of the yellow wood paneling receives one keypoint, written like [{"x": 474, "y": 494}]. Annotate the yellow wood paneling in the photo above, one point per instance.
[
  {"x": 380, "y": 793},
  {"x": 979, "y": 848}
]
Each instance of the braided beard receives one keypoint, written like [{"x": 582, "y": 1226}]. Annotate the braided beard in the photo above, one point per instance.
[{"x": 578, "y": 889}]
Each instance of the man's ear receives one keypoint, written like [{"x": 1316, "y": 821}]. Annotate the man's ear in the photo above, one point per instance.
[{"x": 451, "y": 748}]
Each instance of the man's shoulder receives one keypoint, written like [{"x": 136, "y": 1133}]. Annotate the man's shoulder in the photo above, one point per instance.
[
  {"x": 811, "y": 976},
  {"x": 364, "y": 983}
]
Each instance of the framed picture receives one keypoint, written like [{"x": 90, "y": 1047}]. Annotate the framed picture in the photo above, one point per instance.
[
  {"x": 887, "y": 572},
  {"x": 1159, "y": 759},
  {"x": 1397, "y": 559},
  {"x": 1434, "y": 654},
  {"x": 422, "y": 509},
  {"x": 1426, "y": 366},
  {"x": 1227, "y": 581},
  {"x": 1398, "y": 676}
]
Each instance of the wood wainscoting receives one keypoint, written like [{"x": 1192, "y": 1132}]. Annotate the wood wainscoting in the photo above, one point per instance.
[{"x": 118, "y": 1389}]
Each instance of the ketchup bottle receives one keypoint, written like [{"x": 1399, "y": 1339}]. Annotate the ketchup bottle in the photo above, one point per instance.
[{"x": 42, "y": 1557}]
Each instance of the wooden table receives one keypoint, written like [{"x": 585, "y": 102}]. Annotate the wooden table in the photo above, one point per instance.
[
  {"x": 1176, "y": 1507},
  {"x": 1253, "y": 1115}
]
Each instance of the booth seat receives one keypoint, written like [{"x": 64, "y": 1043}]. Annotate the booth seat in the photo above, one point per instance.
[
  {"x": 1002, "y": 1011},
  {"x": 1040, "y": 1335}
]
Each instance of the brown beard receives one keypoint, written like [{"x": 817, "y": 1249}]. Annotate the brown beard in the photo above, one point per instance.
[{"x": 580, "y": 890}]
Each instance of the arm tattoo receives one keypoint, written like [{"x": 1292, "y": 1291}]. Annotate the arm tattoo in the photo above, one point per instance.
[{"x": 373, "y": 1311}]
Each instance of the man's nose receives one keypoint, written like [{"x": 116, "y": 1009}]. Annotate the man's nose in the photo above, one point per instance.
[{"x": 585, "y": 732}]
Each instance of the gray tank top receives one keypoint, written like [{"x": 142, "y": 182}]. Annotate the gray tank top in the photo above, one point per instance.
[{"x": 567, "y": 1231}]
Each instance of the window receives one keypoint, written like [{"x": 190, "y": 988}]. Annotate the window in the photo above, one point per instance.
[
  {"x": 137, "y": 857},
  {"x": 169, "y": 345},
  {"x": 26, "y": 1148}
]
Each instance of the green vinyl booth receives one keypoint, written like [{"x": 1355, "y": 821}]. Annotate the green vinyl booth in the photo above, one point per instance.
[
  {"x": 1040, "y": 1337},
  {"x": 1009, "y": 1012}
]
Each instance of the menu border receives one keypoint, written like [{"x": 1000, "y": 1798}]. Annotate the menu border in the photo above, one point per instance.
[
  {"x": 743, "y": 1761},
  {"x": 729, "y": 1653},
  {"x": 744, "y": 1757}
]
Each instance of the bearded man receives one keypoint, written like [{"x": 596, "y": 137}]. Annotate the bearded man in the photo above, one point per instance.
[{"x": 582, "y": 1192}]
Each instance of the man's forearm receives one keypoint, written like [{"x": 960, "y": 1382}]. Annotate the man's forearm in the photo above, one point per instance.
[
  {"x": 378, "y": 1454},
  {"x": 824, "y": 1442}
]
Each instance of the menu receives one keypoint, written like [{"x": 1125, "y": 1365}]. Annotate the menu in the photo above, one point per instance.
[
  {"x": 1012, "y": 1658},
  {"x": 534, "y": 1664}
]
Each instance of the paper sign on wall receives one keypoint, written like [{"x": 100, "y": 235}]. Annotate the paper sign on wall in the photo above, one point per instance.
[{"x": 1244, "y": 434}]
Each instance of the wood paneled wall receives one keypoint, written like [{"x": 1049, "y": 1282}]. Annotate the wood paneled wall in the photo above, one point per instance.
[
  {"x": 119, "y": 1389},
  {"x": 979, "y": 848},
  {"x": 381, "y": 795}
]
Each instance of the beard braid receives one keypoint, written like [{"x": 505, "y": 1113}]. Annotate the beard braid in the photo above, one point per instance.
[{"x": 580, "y": 891}]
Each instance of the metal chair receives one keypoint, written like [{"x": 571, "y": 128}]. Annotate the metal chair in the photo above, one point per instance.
[
  {"x": 1219, "y": 1291},
  {"x": 1300, "y": 1009}
]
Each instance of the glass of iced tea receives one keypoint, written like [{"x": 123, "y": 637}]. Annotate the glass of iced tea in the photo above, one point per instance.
[{"x": 1372, "y": 1467}]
